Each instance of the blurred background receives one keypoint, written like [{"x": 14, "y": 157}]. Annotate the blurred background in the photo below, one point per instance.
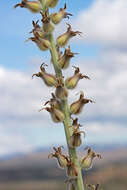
[{"x": 26, "y": 135}]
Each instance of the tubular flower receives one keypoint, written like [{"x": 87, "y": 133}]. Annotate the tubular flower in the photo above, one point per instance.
[
  {"x": 63, "y": 39},
  {"x": 57, "y": 17},
  {"x": 51, "y": 3},
  {"x": 61, "y": 158},
  {"x": 42, "y": 43},
  {"x": 76, "y": 107},
  {"x": 75, "y": 139},
  {"x": 93, "y": 187},
  {"x": 61, "y": 91},
  {"x": 71, "y": 169},
  {"x": 54, "y": 101},
  {"x": 47, "y": 25},
  {"x": 33, "y": 6},
  {"x": 50, "y": 80},
  {"x": 56, "y": 114},
  {"x": 64, "y": 60},
  {"x": 37, "y": 30},
  {"x": 86, "y": 162},
  {"x": 71, "y": 82}
]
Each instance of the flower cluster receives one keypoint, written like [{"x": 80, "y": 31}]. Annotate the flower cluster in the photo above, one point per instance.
[{"x": 57, "y": 106}]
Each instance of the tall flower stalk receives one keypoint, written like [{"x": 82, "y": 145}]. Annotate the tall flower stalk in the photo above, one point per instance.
[{"x": 57, "y": 106}]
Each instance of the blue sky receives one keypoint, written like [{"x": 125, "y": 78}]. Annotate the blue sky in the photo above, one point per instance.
[{"x": 102, "y": 55}]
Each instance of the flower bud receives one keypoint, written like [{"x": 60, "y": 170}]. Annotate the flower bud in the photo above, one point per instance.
[
  {"x": 71, "y": 82},
  {"x": 42, "y": 43},
  {"x": 61, "y": 92},
  {"x": 56, "y": 114},
  {"x": 51, "y": 3},
  {"x": 63, "y": 39},
  {"x": 76, "y": 107},
  {"x": 64, "y": 60},
  {"x": 75, "y": 124},
  {"x": 48, "y": 27},
  {"x": 57, "y": 17},
  {"x": 61, "y": 158},
  {"x": 75, "y": 139},
  {"x": 50, "y": 80},
  {"x": 86, "y": 161},
  {"x": 37, "y": 30},
  {"x": 33, "y": 6},
  {"x": 54, "y": 101},
  {"x": 71, "y": 169}
]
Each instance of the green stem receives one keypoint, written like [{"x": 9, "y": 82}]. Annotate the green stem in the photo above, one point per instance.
[{"x": 67, "y": 122}]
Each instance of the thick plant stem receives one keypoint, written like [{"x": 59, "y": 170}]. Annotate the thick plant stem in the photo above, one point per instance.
[{"x": 67, "y": 122}]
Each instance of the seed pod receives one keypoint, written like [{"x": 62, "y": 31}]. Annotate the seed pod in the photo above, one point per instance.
[
  {"x": 63, "y": 39},
  {"x": 64, "y": 60},
  {"x": 57, "y": 17},
  {"x": 33, "y": 6},
  {"x": 37, "y": 30},
  {"x": 42, "y": 43},
  {"x": 86, "y": 161},
  {"x": 71, "y": 82},
  {"x": 49, "y": 79},
  {"x": 61, "y": 158},
  {"x": 75, "y": 139},
  {"x": 48, "y": 27},
  {"x": 61, "y": 92},
  {"x": 56, "y": 114},
  {"x": 71, "y": 169},
  {"x": 77, "y": 106},
  {"x": 51, "y": 3}
]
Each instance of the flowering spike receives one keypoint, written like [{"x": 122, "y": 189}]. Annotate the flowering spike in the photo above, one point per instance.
[
  {"x": 76, "y": 107},
  {"x": 49, "y": 79},
  {"x": 57, "y": 17},
  {"x": 86, "y": 161},
  {"x": 71, "y": 82},
  {"x": 61, "y": 92},
  {"x": 63, "y": 39},
  {"x": 33, "y": 6},
  {"x": 61, "y": 158},
  {"x": 64, "y": 60},
  {"x": 48, "y": 27}
]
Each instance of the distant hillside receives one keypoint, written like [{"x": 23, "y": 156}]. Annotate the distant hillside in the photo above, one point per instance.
[{"x": 36, "y": 172}]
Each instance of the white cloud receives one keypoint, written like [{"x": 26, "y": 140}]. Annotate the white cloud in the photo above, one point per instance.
[
  {"x": 104, "y": 22},
  {"x": 10, "y": 142},
  {"x": 21, "y": 97},
  {"x": 108, "y": 133}
]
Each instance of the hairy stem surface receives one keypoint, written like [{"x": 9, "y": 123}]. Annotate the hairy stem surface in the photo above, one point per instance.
[{"x": 67, "y": 122}]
